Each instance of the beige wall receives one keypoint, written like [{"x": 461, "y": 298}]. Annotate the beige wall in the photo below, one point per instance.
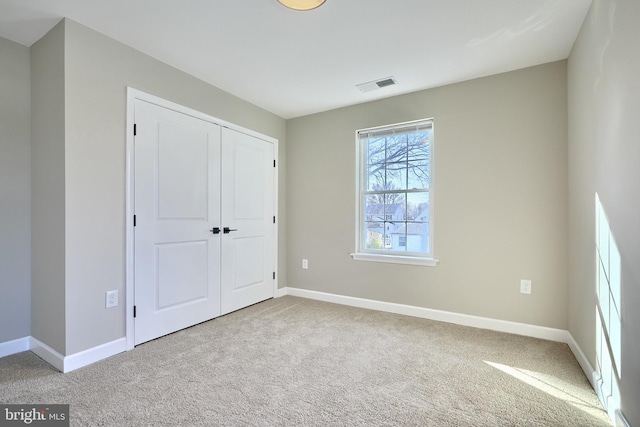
[
  {"x": 500, "y": 212},
  {"x": 604, "y": 158},
  {"x": 47, "y": 190},
  {"x": 15, "y": 200},
  {"x": 85, "y": 98}
]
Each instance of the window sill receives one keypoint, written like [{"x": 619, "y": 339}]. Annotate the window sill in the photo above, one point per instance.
[{"x": 395, "y": 259}]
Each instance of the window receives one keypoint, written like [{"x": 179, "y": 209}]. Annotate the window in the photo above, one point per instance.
[{"x": 395, "y": 201}]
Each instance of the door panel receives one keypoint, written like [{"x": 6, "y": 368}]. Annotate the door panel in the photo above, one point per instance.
[
  {"x": 177, "y": 202},
  {"x": 247, "y": 207},
  {"x": 182, "y": 172},
  {"x": 249, "y": 191},
  {"x": 182, "y": 275},
  {"x": 250, "y": 253}
]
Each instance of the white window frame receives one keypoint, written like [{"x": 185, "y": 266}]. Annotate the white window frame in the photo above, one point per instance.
[{"x": 363, "y": 254}]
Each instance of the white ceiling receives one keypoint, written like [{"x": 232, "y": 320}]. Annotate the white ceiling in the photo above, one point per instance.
[{"x": 296, "y": 63}]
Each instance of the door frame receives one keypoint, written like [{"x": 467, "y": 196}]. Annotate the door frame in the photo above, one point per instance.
[{"x": 132, "y": 96}]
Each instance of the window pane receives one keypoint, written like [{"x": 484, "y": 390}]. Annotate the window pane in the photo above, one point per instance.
[
  {"x": 395, "y": 215},
  {"x": 373, "y": 235},
  {"x": 418, "y": 175},
  {"x": 376, "y": 177},
  {"x": 374, "y": 207},
  {"x": 395, "y": 206},
  {"x": 417, "y": 236},
  {"x": 396, "y": 176},
  {"x": 396, "y": 148},
  {"x": 375, "y": 150},
  {"x": 419, "y": 145},
  {"x": 398, "y": 237},
  {"x": 418, "y": 207}
]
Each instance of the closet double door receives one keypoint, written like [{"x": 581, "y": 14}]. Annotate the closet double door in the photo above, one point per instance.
[{"x": 204, "y": 234}]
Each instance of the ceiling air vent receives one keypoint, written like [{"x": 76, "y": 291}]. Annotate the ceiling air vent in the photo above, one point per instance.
[{"x": 377, "y": 84}]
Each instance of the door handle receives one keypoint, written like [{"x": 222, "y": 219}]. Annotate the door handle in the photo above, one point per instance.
[
  {"x": 215, "y": 230},
  {"x": 228, "y": 230}
]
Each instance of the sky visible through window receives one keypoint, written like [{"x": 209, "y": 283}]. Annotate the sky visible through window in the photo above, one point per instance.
[{"x": 397, "y": 185}]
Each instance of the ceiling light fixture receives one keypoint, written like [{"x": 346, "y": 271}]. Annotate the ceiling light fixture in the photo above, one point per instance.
[{"x": 302, "y": 4}]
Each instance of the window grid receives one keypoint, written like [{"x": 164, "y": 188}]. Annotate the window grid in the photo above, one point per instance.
[{"x": 391, "y": 204}]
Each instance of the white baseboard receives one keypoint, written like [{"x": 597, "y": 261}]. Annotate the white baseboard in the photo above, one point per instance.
[
  {"x": 588, "y": 370},
  {"x": 94, "y": 354},
  {"x": 57, "y": 360},
  {"x": 608, "y": 402},
  {"x": 542, "y": 332},
  {"x": 48, "y": 354},
  {"x": 14, "y": 346}
]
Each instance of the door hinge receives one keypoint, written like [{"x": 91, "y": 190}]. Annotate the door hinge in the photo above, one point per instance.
[
  {"x": 274, "y": 275},
  {"x": 134, "y": 220},
  {"x": 134, "y": 130},
  {"x": 274, "y": 219},
  {"x": 134, "y": 311},
  {"x": 274, "y": 163}
]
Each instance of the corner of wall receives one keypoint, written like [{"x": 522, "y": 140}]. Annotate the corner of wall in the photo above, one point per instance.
[{"x": 47, "y": 190}]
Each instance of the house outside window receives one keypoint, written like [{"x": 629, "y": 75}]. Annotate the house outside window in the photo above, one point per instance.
[{"x": 395, "y": 193}]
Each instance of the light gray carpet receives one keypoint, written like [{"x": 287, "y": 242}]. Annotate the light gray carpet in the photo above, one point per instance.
[{"x": 298, "y": 362}]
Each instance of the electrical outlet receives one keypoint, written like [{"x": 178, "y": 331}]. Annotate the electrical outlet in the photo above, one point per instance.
[
  {"x": 305, "y": 264},
  {"x": 111, "y": 299},
  {"x": 525, "y": 286}
]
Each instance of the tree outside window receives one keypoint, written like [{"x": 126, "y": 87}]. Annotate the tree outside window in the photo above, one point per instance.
[{"x": 394, "y": 189}]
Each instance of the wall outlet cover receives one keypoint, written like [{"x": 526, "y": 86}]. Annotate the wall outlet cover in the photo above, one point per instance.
[{"x": 111, "y": 299}]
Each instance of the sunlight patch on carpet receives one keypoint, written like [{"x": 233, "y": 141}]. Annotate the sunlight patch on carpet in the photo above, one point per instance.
[{"x": 551, "y": 385}]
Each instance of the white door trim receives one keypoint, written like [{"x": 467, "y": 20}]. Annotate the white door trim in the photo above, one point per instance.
[{"x": 132, "y": 95}]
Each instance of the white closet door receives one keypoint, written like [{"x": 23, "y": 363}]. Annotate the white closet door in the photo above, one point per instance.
[
  {"x": 177, "y": 203},
  {"x": 248, "y": 242}
]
